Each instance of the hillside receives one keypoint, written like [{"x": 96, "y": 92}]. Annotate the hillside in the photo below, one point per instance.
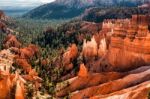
[
  {"x": 53, "y": 11},
  {"x": 97, "y": 14},
  {"x": 61, "y": 9}
]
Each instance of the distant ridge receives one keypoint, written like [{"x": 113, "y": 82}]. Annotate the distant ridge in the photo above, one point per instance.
[{"x": 64, "y": 9}]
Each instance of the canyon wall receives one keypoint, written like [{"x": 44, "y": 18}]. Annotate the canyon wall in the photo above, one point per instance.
[
  {"x": 116, "y": 62},
  {"x": 129, "y": 47}
]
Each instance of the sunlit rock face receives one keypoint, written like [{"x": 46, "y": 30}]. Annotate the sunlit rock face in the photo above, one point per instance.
[
  {"x": 20, "y": 90},
  {"x": 94, "y": 51},
  {"x": 90, "y": 48},
  {"x": 83, "y": 72},
  {"x": 136, "y": 92},
  {"x": 69, "y": 56},
  {"x": 8, "y": 80},
  {"x": 112, "y": 86},
  {"x": 86, "y": 84},
  {"x": 116, "y": 62},
  {"x": 80, "y": 83},
  {"x": 129, "y": 47},
  {"x": 5, "y": 87},
  {"x": 13, "y": 84},
  {"x": 98, "y": 45},
  {"x": 23, "y": 54},
  {"x": 102, "y": 47}
]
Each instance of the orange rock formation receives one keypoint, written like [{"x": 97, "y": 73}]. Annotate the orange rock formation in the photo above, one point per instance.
[
  {"x": 90, "y": 48},
  {"x": 15, "y": 83},
  {"x": 122, "y": 45},
  {"x": 23, "y": 55},
  {"x": 88, "y": 81},
  {"x": 129, "y": 46},
  {"x": 69, "y": 56},
  {"x": 94, "y": 79},
  {"x": 83, "y": 72},
  {"x": 5, "y": 88},
  {"x": 29, "y": 52},
  {"x": 116, "y": 85},
  {"x": 136, "y": 92},
  {"x": 20, "y": 90},
  {"x": 11, "y": 41}
]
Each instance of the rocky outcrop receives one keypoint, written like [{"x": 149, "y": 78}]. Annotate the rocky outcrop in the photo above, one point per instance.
[
  {"x": 20, "y": 94},
  {"x": 24, "y": 55},
  {"x": 116, "y": 85},
  {"x": 94, "y": 79},
  {"x": 13, "y": 82},
  {"x": 102, "y": 47},
  {"x": 11, "y": 41},
  {"x": 116, "y": 62},
  {"x": 83, "y": 72},
  {"x": 97, "y": 47},
  {"x": 136, "y": 92},
  {"x": 113, "y": 64},
  {"x": 90, "y": 80},
  {"x": 28, "y": 52},
  {"x": 6, "y": 86},
  {"x": 69, "y": 56},
  {"x": 90, "y": 48},
  {"x": 16, "y": 71},
  {"x": 6, "y": 60},
  {"x": 129, "y": 46}
]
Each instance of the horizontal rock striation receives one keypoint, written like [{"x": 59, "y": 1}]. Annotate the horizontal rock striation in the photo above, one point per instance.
[
  {"x": 129, "y": 45},
  {"x": 117, "y": 62}
]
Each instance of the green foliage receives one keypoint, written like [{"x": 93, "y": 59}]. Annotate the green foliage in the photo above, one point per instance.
[
  {"x": 98, "y": 14},
  {"x": 54, "y": 11},
  {"x": 30, "y": 30},
  {"x": 51, "y": 37},
  {"x": 48, "y": 73},
  {"x": 30, "y": 90},
  {"x": 66, "y": 34},
  {"x": 2, "y": 37}
]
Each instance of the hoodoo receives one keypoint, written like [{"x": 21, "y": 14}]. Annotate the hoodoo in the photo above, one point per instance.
[
  {"x": 129, "y": 47},
  {"x": 117, "y": 60}
]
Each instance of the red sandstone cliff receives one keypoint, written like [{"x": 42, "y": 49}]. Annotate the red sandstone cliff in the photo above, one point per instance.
[
  {"x": 116, "y": 62},
  {"x": 13, "y": 84},
  {"x": 129, "y": 47},
  {"x": 69, "y": 56}
]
